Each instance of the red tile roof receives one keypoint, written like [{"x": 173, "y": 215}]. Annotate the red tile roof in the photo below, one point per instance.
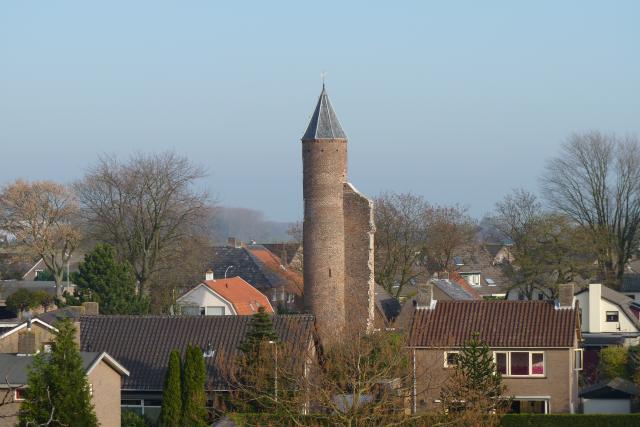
[
  {"x": 500, "y": 324},
  {"x": 291, "y": 279},
  {"x": 245, "y": 298},
  {"x": 464, "y": 284}
]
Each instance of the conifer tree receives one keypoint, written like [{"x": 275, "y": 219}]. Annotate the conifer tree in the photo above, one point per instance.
[
  {"x": 171, "y": 414},
  {"x": 58, "y": 386},
  {"x": 102, "y": 278},
  {"x": 194, "y": 411},
  {"x": 475, "y": 388},
  {"x": 261, "y": 330}
]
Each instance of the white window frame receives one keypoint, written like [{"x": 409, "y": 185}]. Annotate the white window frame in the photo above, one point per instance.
[
  {"x": 531, "y": 353},
  {"x": 446, "y": 354},
  {"x": 578, "y": 355}
]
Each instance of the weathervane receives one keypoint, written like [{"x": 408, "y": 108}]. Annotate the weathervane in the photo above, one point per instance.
[{"x": 323, "y": 76}]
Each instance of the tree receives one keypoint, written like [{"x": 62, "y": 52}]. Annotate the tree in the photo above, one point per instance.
[
  {"x": 448, "y": 229},
  {"x": 22, "y": 300},
  {"x": 595, "y": 181},
  {"x": 42, "y": 216},
  {"x": 360, "y": 381},
  {"x": 194, "y": 377},
  {"x": 102, "y": 278},
  {"x": 399, "y": 240},
  {"x": 147, "y": 208},
  {"x": 171, "y": 414},
  {"x": 43, "y": 299},
  {"x": 614, "y": 362},
  {"x": 131, "y": 419},
  {"x": 548, "y": 248},
  {"x": 474, "y": 392},
  {"x": 57, "y": 385},
  {"x": 260, "y": 330}
]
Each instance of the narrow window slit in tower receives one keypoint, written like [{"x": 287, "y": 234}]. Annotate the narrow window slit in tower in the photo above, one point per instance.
[{"x": 329, "y": 272}]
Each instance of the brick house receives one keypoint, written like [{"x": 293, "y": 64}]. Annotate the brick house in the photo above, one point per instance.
[{"x": 534, "y": 343}]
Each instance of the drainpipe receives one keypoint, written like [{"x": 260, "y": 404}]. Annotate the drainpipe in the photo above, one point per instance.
[{"x": 415, "y": 385}]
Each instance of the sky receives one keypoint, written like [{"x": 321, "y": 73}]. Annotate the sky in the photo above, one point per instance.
[{"x": 458, "y": 101}]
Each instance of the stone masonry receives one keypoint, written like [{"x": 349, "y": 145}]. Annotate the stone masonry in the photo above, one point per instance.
[{"x": 337, "y": 233}]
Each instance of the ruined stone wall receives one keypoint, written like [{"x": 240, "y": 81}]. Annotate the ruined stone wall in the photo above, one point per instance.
[
  {"x": 324, "y": 173},
  {"x": 359, "y": 232}
]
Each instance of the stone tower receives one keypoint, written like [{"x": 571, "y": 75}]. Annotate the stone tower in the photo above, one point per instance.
[{"x": 338, "y": 286}]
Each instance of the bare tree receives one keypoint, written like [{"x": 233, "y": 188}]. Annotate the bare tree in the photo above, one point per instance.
[
  {"x": 596, "y": 182},
  {"x": 42, "y": 216},
  {"x": 146, "y": 207},
  {"x": 548, "y": 247},
  {"x": 399, "y": 239},
  {"x": 448, "y": 229}
]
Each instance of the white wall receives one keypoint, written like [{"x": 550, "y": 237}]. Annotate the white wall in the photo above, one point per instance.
[
  {"x": 203, "y": 296},
  {"x": 596, "y": 320},
  {"x": 606, "y": 406}
]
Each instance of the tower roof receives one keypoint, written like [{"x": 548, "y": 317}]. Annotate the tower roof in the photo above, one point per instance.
[{"x": 324, "y": 123}]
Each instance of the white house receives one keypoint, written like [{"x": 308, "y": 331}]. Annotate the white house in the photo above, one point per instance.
[
  {"x": 222, "y": 297},
  {"x": 608, "y": 314}
]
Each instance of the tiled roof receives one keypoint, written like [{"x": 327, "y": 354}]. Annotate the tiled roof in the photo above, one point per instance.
[
  {"x": 245, "y": 298},
  {"x": 457, "y": 288},
  {"x": 324, "y": 123},
  {"x": 142, "y": 343},
  {"x": 387, "y": 305},
  {"x": 630, "y": 282},
  {"x": 478, "y": 259},
  {"x": 275, "y": 272},
  {"x": 500, "y": 324},
  {"x": 283, "y": 250},
  {"x": 239, "y": 262}
]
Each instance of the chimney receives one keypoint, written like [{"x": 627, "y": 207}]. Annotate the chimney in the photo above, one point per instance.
[
  {"x": 91, "y": 308},
  {"x": 565, "y": 295},
  {"x": 234, "y": 243},
  {"x": 27, "y": 342},
  {"x": 208, "y": 275},
  {"x": 593, "y": 306},
  {"x": 424, "y": 299}
]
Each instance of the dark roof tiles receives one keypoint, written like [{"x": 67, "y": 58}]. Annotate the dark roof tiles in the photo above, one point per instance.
[
  {"x": 143, "y": 343},
  {"x": 500, "y": 324},
  {"x": 324, "y": 123}
]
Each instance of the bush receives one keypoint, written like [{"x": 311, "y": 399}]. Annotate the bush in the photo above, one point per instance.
[
  {"x": 614, "y": 362},
  {"x": 131, "y": 419},
  {"x": 573, "y": 420}
]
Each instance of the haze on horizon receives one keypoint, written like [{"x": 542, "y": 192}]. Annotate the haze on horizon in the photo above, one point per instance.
[{"x": 458, "y": 101}]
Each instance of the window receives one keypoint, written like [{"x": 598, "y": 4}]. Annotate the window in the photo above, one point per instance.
[
  {"x": 520, "y": 363},
  {"x": 215, "y": 311},
  {"x": 274, "y": 295},
  {"x": 579, "y": 354},
  {"x": 450, "y": 359},
  {"x": 291, "y": 298},
  {"x": 189, "y": 310},
  {"x": 18, "y": 395},
  {"x": 612, "y": 316},
  {"x": 202, "y": 311},
  {"x": 46, "y": 348},
  {"x": 472, "y": 278}
]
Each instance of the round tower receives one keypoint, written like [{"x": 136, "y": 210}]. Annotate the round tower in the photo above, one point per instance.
[{"x": 324, "y": 164}]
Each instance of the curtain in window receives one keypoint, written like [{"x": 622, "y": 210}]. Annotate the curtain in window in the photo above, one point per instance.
[{"x": 537, "y": 364}]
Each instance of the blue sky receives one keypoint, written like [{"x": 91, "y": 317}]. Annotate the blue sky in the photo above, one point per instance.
[{"x": 457, "y": 101}]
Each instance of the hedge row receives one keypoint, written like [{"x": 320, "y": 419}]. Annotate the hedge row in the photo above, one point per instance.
[
  {"x": 572, "y": 420},
  {"x": 510, "y": 420}
]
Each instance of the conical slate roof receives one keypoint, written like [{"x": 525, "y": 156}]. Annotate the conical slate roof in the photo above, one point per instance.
[{"x": 324, "y": 123}]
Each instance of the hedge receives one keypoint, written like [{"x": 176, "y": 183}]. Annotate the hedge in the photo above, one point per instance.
[{"x": 572, "y": 420}]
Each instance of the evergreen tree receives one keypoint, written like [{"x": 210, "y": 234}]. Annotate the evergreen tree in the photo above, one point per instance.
[
  {"x": 475, "y": 388},
  {"x": 194, "y": 412},
  {"x": 171, "y": 414},
  {"x": 58, "y": 385},
  {"x": 102, "y": 278},
  {"x": 261, "y": 330}
]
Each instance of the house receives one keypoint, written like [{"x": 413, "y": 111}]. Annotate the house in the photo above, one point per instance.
[
  {"x": 39, "y": 267},
  {"x": 143, "y": 345},
  {"x": 104, "y": 374},
  {"x": 484, "y": 268},
  {"x": 454, "y": 288},
  {"x": 220, "y": 297},
  {"x": 609, "y": 397},
  {"x": 609, "y": 318},
  {"x": 534, "y": 344},
  {"x": 261, "y": 269},
  {"x": 387, "y": 308}
]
